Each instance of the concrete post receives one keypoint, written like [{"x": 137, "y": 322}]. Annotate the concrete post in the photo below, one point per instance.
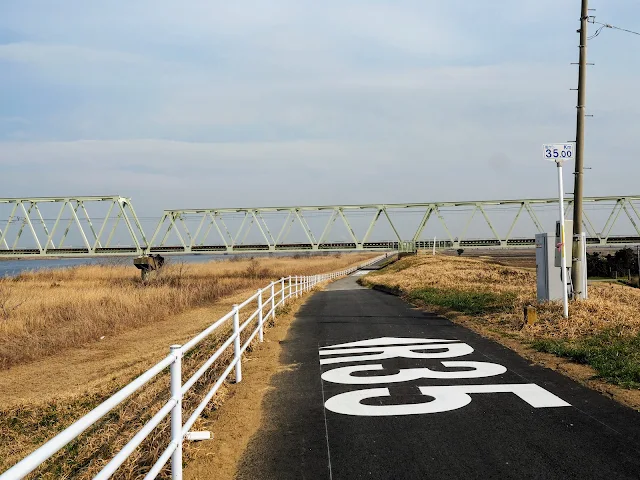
[
  {"x": 176, "y": 412},
  {"x": 236, "y": 343}
]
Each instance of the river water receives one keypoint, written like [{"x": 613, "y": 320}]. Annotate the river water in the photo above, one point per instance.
[{"x": 14, "y": 267}]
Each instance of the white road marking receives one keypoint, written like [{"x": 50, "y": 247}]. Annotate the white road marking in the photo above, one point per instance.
[
  {"x": 344, "y": 375},
  {"x": 400, "y": 351},
  {"x": 443, "y": 398},
  {"x": 376, "y": 342}
]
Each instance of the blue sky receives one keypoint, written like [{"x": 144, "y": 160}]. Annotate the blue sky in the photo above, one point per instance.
[{"x": 210, "y": 103}]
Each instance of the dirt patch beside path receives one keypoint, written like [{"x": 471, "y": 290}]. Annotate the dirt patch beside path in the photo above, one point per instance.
[{"x": 240, "y": 416}]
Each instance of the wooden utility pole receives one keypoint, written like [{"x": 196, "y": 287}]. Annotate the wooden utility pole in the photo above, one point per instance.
[{"x": 576, "y": 264}]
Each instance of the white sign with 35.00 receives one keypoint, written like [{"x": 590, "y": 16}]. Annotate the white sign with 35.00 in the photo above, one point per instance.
[{"x": 557, "y": 152}]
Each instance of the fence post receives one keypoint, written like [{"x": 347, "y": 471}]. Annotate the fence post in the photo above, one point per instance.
[
  {"x": 273, "y": 300},
  {"x": 290, "y": 291},
  {"x": 236, "y": 343},
  {"x": 261, "y": 332},
  {"x": 282, "y": 291},
  {"x": 176, "y": 411}
]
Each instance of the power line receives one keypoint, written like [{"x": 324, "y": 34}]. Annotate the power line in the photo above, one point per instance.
[
  {"x": 608, "y": 25},
  {"x": 596, "y": 34}
]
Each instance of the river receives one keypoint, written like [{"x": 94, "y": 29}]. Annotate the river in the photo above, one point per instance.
[{"x": 14, "y": 267}]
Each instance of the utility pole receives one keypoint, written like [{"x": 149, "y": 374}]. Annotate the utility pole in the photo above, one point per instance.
[{"x": 577, "y": 267}]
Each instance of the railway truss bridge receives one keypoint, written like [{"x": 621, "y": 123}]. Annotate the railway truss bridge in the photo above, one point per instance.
[{"x": 109, "y": 226}]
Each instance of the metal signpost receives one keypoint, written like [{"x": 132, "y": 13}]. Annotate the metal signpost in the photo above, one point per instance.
[{"x": 560, "y": 153}]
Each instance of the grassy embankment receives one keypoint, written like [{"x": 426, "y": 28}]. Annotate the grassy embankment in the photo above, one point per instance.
[
  {"x": 602, "y": 332},
  {"x": 71, "y": 338}
]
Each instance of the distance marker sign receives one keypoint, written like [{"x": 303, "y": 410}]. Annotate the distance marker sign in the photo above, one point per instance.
[{"x": 557, "y": 152}]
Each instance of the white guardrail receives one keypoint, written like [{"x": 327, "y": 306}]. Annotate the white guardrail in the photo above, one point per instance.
[{"x": 292, "y": 286}]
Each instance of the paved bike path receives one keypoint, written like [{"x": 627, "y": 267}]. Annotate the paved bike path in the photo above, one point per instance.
[{"x": 553, "y": 428}]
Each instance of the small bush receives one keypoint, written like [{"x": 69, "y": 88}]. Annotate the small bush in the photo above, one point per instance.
[{"x": 254, "y": 271}]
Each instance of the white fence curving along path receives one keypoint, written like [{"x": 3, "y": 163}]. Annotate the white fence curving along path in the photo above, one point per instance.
[{"x": 272, "y": 296}]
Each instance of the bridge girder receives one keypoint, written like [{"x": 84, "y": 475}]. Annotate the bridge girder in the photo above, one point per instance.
[
  {"x": 211, "y": 233},
  {"x": 22, "y": 222}
]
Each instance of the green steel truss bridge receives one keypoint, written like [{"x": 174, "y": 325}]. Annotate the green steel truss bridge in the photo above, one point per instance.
[{"x": 63, "y": 226}]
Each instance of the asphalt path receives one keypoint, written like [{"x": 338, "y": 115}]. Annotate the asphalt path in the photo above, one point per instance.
[{"x": 426, "y": 415}]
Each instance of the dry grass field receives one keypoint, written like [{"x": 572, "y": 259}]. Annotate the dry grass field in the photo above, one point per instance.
[
  {"x": 603, "y": 331},
  {"x": 71, "y": 338},
  {"x": 44, "y": 312}
]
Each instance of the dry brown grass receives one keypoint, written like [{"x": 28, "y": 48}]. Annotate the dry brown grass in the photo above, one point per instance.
[
  {"x": 608, "y": 306},
  {"x": 27, "y": 424},
  {"x": 25, "y": 427},
  {"x": 42, "y": 313}
]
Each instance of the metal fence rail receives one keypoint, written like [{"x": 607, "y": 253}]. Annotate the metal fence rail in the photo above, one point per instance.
[{"x": 270, "y": 298}]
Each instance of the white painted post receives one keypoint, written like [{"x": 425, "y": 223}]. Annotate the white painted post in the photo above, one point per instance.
[
  {"x": 296, "y": 286},
  {"x": 282, "y": 291},
  {"x": 273, "y": 300},
  {"x": 434, "y": 245},
  {"x": 290, "y": 287},
  {"x": 563, "y": 258},
  {"x": 236, "y": 343},
  {"x": 176, "y": 412},
  {"x": 585, "y": 274},
  {"x": 260, "y": 319}
]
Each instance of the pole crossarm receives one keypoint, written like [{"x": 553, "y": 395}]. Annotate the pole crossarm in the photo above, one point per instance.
[{"x": 69, "y": 226}]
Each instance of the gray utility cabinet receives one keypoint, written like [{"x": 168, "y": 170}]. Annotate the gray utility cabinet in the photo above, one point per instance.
[{"x": 549, "y": 279}]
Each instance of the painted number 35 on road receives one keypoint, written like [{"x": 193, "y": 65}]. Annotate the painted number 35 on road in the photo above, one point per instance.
[{"x": 438, "y": 398}]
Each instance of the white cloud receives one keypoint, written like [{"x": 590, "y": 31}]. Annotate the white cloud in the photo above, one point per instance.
[
  {"x": 61, "y": 56},
  {"x": 290, "y": 102}
]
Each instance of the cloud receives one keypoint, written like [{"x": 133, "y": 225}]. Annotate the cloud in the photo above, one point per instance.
[
  {"x": 47, "y": 55},
  {"x": 221, "y": 103}
]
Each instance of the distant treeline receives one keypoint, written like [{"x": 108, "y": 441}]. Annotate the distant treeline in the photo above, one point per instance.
[{"x": 616, "y": 265}]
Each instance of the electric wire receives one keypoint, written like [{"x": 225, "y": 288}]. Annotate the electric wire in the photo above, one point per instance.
[{"x": 608, "y": 25}]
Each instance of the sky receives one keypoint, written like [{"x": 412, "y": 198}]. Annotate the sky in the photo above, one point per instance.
[{"x": 207, "y": 103}]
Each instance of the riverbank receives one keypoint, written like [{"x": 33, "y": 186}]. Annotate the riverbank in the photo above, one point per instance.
[
  {"x": 45, "y": 312},
  {"x": 42, "y": 396}
]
